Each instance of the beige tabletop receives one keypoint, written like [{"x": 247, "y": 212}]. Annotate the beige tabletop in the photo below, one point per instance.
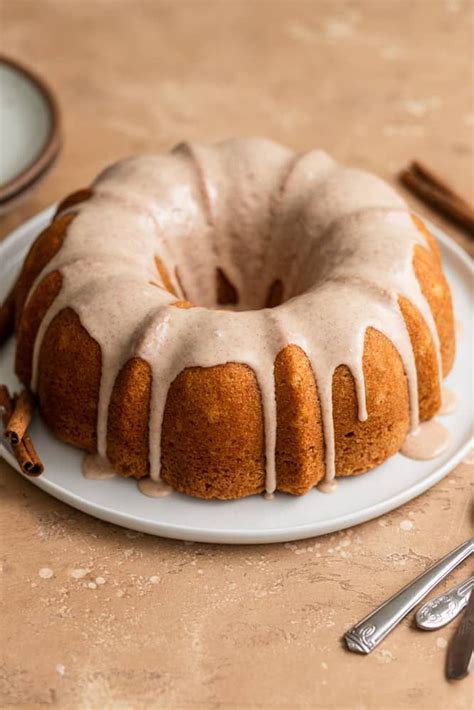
[{"x": 95, "y": 616}]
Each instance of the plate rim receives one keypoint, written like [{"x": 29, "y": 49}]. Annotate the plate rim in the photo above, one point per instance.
[
  {"x": 242, "y": 537},
  {"x": 52, "y": 145},
  {"x": 222, "y": 535}
]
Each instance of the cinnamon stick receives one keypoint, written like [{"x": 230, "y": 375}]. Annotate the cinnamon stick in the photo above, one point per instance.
[
  {"x": 20, "y": 418},
  {"x": 27, "y": 457},
  {"x": 6, "y": 404},
  {"x": 436, "y": 193},
  {"x": 436, "y": 181},
  {"x": 25, "y": 452},
  {"x": 7, "y": 317}
]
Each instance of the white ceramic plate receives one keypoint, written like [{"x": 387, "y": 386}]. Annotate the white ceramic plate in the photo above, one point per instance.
[{"x": 252, "y": 520}]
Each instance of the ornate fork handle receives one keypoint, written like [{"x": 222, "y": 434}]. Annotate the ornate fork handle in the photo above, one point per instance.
[
  {"x": 441, "y": 610},
  {"x": 371, "y": 630}
]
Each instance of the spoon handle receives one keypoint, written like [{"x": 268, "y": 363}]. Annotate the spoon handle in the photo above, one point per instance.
[
  {"x": 370, "y": 631},
  {"x": 442, "y": 609}
]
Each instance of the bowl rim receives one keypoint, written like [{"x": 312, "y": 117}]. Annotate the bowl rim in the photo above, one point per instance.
[{"x": 52, "y": 143}]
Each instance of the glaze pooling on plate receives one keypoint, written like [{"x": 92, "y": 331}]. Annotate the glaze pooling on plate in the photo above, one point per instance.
[
  {"x": 328, "y": 486},
  {"x": 153, "y": 489},
  {"x": 429, "y": 440},
  {"x": 259, "y": 186},
  {"x": 96, "y": 468}
]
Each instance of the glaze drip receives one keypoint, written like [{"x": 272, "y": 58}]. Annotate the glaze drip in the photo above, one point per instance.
[
  {"x": 96, "y": 468},
  {"x": 449, "y": 401},
  {"x": 428, "y": 441},
  {"x": 327, "y": 486},
  {"x": 342, "y": 239},
  {"x": 153, "y": 489}
]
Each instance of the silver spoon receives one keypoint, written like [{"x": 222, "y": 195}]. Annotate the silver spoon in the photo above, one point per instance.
[{"x": 442, "y": 609}]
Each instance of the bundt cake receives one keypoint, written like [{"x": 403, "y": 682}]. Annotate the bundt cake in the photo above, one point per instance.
[{"x": 235, "y": 318}]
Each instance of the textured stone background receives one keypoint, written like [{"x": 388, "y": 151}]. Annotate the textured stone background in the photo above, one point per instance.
[{"x": 94, "y": 616}]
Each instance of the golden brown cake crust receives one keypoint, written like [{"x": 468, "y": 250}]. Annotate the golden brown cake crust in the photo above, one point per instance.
[
  {"x": 46, "y": 245},
  {"x": 164, "y": 276},
  {"x": 434, "y": 286},
  {"x": 435, "y": 289},
  {"x": 69, "y": 370},
  {"x": 30, "y": 321},
  {"x": 429, "y": 390},
  {"x": 129, "y": 413},
  {"x": 212, "y": 435},
  {"x": 300, "y": 443},
  {"x": 361, "y": 445}
]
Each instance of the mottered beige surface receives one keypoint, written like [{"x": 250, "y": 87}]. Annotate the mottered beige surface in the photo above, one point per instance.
[{"x": 94, "y": 616}]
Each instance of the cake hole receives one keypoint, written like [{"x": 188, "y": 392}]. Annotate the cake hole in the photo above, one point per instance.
[
  {"x": 275, "y": 294},
  {"x": 226, "y": 295},
  {"x": 226, "y": 291},
  {"x": 349, "y": 434},
  {"x": 160, "y": 267}
]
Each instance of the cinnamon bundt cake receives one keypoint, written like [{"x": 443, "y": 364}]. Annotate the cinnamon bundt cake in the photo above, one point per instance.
[{"x": 235, "y": 318}]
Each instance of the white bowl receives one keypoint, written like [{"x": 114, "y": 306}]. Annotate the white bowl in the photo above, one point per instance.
[{"x": 29, "y": 136}]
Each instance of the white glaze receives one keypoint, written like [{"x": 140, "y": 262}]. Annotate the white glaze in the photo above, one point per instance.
[
  {"x": 449, "y": 401},
  {"x": 153, "y": 489},
  {"x": 428, "y": 441},
  {"x": 259, "y": 212},
  {"x": 97, "y": 468},
  {"x": 328, "y": 486}
]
